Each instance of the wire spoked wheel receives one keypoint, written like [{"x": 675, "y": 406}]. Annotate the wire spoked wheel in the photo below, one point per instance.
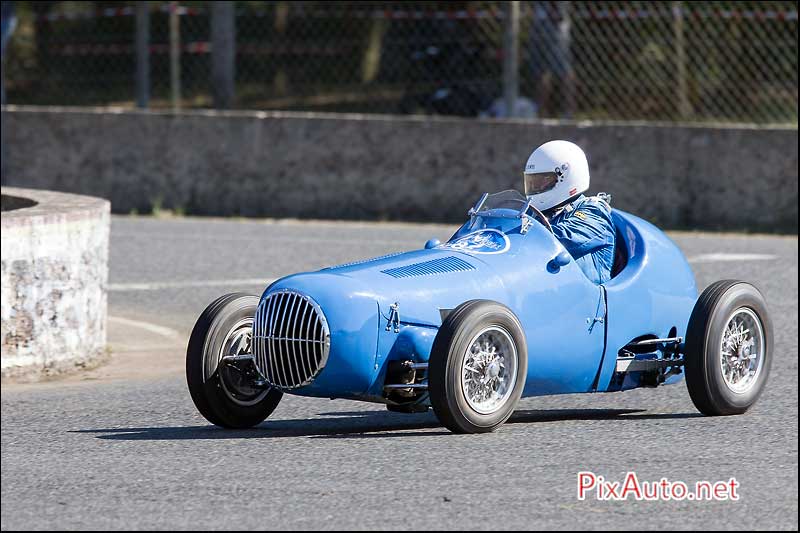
[
  {"x": 238, "y": 384},
  {"x": 728, "y": 349},
  {"x": 477, "y": 368},
  {"x": 489, "y": 370},
  {"x": 741, "y": 350},
  {"x": 223, "y": 393}
]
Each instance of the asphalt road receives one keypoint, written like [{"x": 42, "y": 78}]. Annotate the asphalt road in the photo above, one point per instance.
[{"x": 123, "y": 446}]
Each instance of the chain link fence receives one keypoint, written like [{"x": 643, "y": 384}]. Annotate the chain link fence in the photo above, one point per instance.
[{"x": 661, "y": 61}]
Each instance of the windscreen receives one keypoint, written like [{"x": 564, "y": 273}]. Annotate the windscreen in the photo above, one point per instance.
[{"x": 510, "y": 199}]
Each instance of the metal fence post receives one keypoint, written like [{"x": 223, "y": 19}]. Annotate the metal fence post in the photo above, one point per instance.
[
  {"x": 684, "y": 107},
  {"x": 565, "y": 43},
  {"x": 174, "y": 56},
  {"x": 280, "y": 25},
  {"x": 511, "y": 57},
  {"x": 223, "y": 53},
  {"x": 142, "y": 54}
]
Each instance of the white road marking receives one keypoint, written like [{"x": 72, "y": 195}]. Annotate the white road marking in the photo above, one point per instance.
[
  {"x": 147, "y": 326},
  {"x": 160, "y": 285},
  {"x": 723, "y": 257}
]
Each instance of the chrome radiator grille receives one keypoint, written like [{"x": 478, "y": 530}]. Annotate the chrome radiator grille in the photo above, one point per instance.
[{"x": 291, "y": 339}]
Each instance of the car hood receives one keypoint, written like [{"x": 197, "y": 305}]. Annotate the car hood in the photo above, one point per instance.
[{"x": 420, "y": 282}]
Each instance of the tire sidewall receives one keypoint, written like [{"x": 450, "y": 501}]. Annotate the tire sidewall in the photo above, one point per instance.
[
  {"x": 482, "y": 315},
  {"x": 203, "y": 358},
  {"x": 741, "y": 295},
  {"x": 231, "y": 314}
]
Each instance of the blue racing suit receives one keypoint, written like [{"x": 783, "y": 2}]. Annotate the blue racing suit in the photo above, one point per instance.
[{"x": 586, "y": 230}]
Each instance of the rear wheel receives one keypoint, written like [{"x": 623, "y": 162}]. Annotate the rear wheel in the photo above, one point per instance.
[
  {"x": 477, "y": 368},
  {"x": 728, "y": 348},
  {"x": 225, "y": 394}
]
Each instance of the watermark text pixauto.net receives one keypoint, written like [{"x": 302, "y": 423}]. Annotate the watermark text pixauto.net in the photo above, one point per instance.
[{"x": 591, "y": 485}]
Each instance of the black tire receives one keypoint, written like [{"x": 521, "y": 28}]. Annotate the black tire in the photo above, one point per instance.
[
  {"x": 209, "y": 395},
  {"x": 444, "y": 371},
  {"x": 704, "y": 376}
]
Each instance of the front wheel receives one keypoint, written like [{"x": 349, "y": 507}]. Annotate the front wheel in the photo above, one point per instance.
[
  {"x": 224, "y": 394},
  {"x": 477, "y": 367},
  {"x": 728, "y": 348}
]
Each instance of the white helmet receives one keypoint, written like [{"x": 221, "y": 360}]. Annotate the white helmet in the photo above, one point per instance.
[{"x": 554, "y": 173}]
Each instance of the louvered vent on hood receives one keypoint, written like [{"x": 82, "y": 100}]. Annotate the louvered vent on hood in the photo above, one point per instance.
[{"x": 441, "y": 265}]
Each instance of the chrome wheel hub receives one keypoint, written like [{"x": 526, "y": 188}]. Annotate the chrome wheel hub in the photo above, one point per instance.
[
  {"x": 742, "y": 350},
  {"x": 236, "y": 384},
  {"x": 489, "y": 370}
]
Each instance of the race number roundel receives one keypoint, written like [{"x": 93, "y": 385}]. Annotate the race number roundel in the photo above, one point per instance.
[{"x": 485, "y": 241}]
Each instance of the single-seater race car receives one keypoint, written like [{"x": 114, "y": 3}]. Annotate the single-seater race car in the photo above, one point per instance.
[{"x": 498, "y": 312}]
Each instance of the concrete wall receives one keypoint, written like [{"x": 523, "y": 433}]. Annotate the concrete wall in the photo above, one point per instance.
[
  {"x": 359, "y": 167},
  {"x": 53, "y": 271}
]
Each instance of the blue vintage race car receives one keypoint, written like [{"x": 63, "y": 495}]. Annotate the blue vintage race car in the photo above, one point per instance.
[{"x": 468, "y": 327}]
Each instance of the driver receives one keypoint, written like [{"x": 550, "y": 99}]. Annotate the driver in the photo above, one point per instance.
[{"x": 556, "y": 176}]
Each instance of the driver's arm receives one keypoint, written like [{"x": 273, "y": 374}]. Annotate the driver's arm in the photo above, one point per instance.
[{"x": 586, "y": 230}]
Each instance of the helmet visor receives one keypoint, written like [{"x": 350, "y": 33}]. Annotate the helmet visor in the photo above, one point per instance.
[{"x": 540, "y": 182}]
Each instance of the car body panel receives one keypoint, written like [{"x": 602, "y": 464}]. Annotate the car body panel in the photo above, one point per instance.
[
  {"x": 565, "y": 317},
  {"x": 653, "y": 294}
]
